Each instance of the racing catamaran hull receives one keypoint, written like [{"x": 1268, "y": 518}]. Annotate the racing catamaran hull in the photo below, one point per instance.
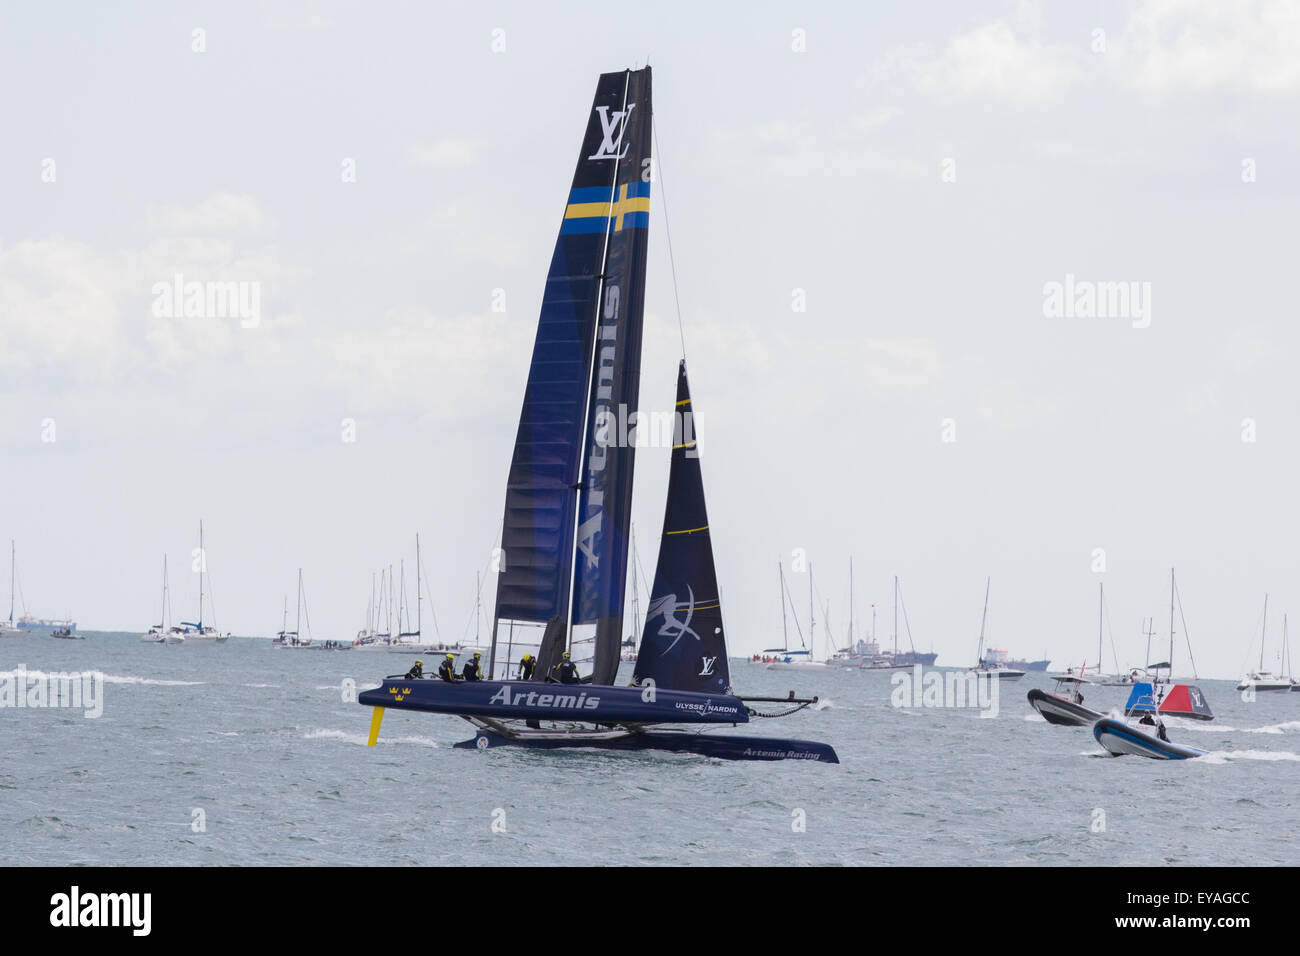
[
  {"x": 707, "y": 744},
  {"x": 537, "y": 700}
]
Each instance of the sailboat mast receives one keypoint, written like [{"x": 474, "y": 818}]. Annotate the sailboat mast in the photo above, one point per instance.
[
  {"x": 203, "y": 560},
  {"x": 850, "y": 605},
  {"x": 162, "y": 613},
  {"x": 812, "y": 615},
  {"x": 785, "y": 631},
  {"x": 13, "y": 557},
  {"x": 895, "y": 616},
  {"x": 419, "y": 591},
  {"x": 1172, "y": 587},
  {"x": 1263, "y": 629},
  {"x": 297, "y": 623},
  {"x": 983, "y": 619},
  {"x": 1101, "y": 606}
]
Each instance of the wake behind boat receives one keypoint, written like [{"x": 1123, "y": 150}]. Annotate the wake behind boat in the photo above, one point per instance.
[{"x": 565, "y": 532}]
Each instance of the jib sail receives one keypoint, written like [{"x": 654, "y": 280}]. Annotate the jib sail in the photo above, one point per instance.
[{"x": 683, "y": 646}]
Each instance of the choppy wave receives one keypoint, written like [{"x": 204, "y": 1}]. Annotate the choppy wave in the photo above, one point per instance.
[
  {"x": 1227, "y": 756},
  {"x": 360, "y": 739},
  {"x": 106, "y": 678}
]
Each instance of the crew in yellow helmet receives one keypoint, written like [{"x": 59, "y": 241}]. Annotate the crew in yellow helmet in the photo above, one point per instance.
[
  {"x": 447, "y": 669},
  {"x": 566, "y": 670},
  {"x": 416, "y": 672},
  {"x": 527, "y": 664},
  {"x": 472, "y": 669}
]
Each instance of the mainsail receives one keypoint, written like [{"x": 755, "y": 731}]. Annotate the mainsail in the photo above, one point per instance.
[
  {"x": 683, "y": 646},
  {"x": 601, "y": 246},
  {"x": 605, "y": 503}
]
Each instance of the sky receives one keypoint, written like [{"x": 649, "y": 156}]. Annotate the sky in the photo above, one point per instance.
[{"x": 888, "y": 223}]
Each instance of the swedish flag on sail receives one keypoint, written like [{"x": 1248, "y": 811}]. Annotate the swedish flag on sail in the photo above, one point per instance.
[{"x": 596, "y": 209}]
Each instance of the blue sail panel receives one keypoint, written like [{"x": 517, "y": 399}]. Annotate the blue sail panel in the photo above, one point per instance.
[
  {"x": 605, "y": 502},
  {"x": 541, "y": 491},
  {"x": 683, "y": 646}
]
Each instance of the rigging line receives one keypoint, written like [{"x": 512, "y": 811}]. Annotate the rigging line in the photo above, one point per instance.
[
  {"x": 794, "y": 614},
  {"x": 1186, "y": 637},
  {"x": 1113, "y": 653},
  {"x": 906, "y": 625},
  {"x": 424, "y": 572},
  {"x": 663, "y": 202}
]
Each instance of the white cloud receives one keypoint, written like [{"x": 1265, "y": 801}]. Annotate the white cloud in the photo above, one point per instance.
[
  {"x": 994, "y": 62},
  {"x": 221, "y": 213},
  {"x": 448, "y": 151},
  {"x": 1177, "y": 47}
]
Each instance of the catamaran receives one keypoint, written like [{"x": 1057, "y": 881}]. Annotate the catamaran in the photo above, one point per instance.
[
  {"x": 562, "y": 582},
  {"x": 198, "y": 632},
  {"x": 1262, "y": 680}
]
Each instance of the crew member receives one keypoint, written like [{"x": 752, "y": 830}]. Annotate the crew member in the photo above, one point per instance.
[
  {"x": 1160, "y": 731},
  {"x": 416, "y": 672},
  {"x": 472, "y": 670},
  {"x": 447, "y": 669},
  {"x": 566, "y": 670},
  {"x": 527, "y": 664}
]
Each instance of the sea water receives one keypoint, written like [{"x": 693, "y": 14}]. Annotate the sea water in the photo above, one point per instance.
[{"x": 241, "y": 753}]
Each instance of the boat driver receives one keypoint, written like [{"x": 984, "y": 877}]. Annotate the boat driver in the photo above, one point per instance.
[
  {"x": 447, "y": 669},
  {"x": 416, "y": 672},
  {"x": 566, "y": 670},
  {"x": 472, "y": 669}
]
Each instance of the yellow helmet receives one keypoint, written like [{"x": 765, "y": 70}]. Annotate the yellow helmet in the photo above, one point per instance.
[
  {"x": 478, "y": 653},
  {"x": 451, "y": 657},
  {"x": 528, "y": 657},
  {"x": 419, "y": 661},
  {"x": 565, "y": 655}
]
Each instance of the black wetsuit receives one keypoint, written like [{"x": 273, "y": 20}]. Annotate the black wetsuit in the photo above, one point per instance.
[
  {"x": 415, "y": 673},
  {"x": 567, "y": 672},
  {"x": 447, "y": 670},
  {"x": 1160, "y": 732},
  {"x": 526, "y": 669},
  {"x": 471, "y": 671}
]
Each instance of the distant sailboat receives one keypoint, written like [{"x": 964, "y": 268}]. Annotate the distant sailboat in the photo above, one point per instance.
[
  {"x": 195, "y": 632},
  {"x": 990, "y": 663},
  {"x": 293, "y": 640},
  {"x": 1261, "y": 679},
  {"x": 162, "y": 632},
  {"x": 9, "y": 628},
  {"x": 787, "y": 659}
]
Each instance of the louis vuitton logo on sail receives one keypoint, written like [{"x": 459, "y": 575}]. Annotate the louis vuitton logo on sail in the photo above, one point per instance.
[{"x": 609, "y": 125}]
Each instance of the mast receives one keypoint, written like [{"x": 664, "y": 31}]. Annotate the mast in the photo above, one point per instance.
[
  {"x": 419, "y": 591},
  {"x": 13, "y": 556},
  {"x": 1171, "y": 625},
  {"x": 284, "y": 619},
  {"x": 1263, "y": 629},
  {"x": 983, "y": 618},
  {"x": 812, "y": 615},
  {"x": 850, "y": 635},
  {"x": 1101, "y": 604},
  {"x": 785, "y": 632},
  {"x": 297, "y": 623},
  {"x": 895, "y": 615},
  {"x": 203, "y": 560},
  {"x": 162, "y": 613}
]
